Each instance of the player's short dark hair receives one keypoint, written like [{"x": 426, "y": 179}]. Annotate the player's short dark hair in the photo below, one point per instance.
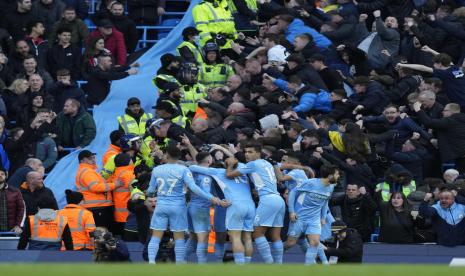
[
  {"x": 173, "y": 151},
  {"x": 257, "y": 146},
  {"x": 327, "y": 170},
  {"x": 201, "y": 156}
]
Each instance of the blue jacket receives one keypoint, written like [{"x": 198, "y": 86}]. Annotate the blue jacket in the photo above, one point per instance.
[
  {"x": 449, "y": 224},
  {"x": 5, "y": 162},
  {"x": 297, "y": 27},
  {"x": 320, "y": 101}
]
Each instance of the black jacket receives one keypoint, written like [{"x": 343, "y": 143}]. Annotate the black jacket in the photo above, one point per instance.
[
  {"x": 373, "y": 100},
  {"x": 98, "y": 85},
  {"x": 396, "y": 227},
  {"x": 357, "y": 213},
  {"x": 126, "y": 26},
  {"x": 450, "y": 134},
  {"x": 65, "y": 58},
  {"x": 61, "y": 93},
  {"x": 350, "y": 250},
  {"x": 340, "y": 110},
  {"x": 307, "y": 74},
  {"x": 31, "y": 199},
  {"x": 15, "y": 22},
  {"x": 402, "y": 88}
]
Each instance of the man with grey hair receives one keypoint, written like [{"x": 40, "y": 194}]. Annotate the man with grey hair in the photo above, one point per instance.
[
  {"x": 428, "y": 103},
  {"x": 19, "y": 176}
]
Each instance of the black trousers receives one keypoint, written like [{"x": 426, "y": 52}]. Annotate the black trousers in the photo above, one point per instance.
[{"x": 104, "y": 217}]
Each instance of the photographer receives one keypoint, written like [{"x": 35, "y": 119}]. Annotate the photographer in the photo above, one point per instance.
[
  {"x": 347, "y": 245},
  {"x": 107, "y": 248}
]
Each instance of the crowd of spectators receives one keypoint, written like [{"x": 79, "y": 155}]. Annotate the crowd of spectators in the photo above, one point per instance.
[{"x": 376, "y": 87}]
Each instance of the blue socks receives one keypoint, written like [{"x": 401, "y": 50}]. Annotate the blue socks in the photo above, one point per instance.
[
  {"x": 310, "y": 255},
  {"x": 219, "y": 251},
  {"x": 180, "y": 251},
  {"x": 153, "y": 249},
  {"x": 303, "y": 244},
  {"x": 248, "y": 260},
  {"x": 239, "y": 258},
  {"x": 264, "y": 249},
  {"x": 322, "y": 255},
  {"x": 277, "y": 250},
  {"x": 201, "y": 253},
  {"x": 191, "y": 246}
]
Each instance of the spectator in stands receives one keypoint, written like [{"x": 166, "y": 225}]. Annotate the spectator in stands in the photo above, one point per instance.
[
  {"x": 64, "y": 88},
  {"x": 332, "y": 78},
  {"x": 114, "y": 40},
  {"x": 44, "y": 147},
  {"x": 95, "y": 47},
  {"x": 17, "y": 19},
  {"x": 450, "y": 176},
  {"x": 39, "y": 46},
  {"x": 125, "y": 25},
  {"x": 296, "y": 65},
  {"x": 35, "y": 192},
  {"x": 98, "y": 85},
  {"x": 396, "y": 223},
  {"x": 304, "y": 45},
  {"x": 411, "y": 156},
  {"x": 29, "y": 112},
  {"x": 429, "y": 104},
  {"x": 368, "y": 97},
  {"x": 76, "y": 127},
  {"x": 145, "y": 12},
  {"x": 17, "y": 146},
  {"x": 11, "y": 206},
  {"x": 96, "y": 191},
  {"x": 64, "y": 55},
  {"x": 344, "y": 28},
  {"x": 30, "y": 72},
  {"x": 46, "y": 229},
  {"x": 447, "y": 216},
  {"x": 19, "y": 176},
  {"x": 133, "y": 121},
  {"x": 452, "y": 76},
  {"x": 80, "y": 221},
  {"x": 450, "y": 132},
  {"x": 6, "y": 74},
  {"x": 79, "y": 30},
  {"x": 357, "y": 209},
  {"x": 22, "y": 50},
  {"x": 48, "y": 11},
  {"x": 80, "y": 7}
]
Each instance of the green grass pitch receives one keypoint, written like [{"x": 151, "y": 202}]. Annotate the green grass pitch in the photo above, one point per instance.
[{"x": 54, "y": 269}]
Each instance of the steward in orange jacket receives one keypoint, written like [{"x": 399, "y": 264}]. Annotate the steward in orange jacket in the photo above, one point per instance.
[
  {"x": 124, "y": 173},
  {"x": 112, "y": 150},
  {"x": 46, "y": 230},
  {"x": 80, "y": 221},
  {"x": 96, "y": 191}
]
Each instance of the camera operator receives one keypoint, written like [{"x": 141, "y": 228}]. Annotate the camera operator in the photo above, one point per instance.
[
  {"x": 346, "y": 245},
  {"x": 108, "y": 248}
]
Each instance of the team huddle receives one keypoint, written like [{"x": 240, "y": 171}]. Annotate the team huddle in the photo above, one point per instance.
[{"x": 236, "y": 213}]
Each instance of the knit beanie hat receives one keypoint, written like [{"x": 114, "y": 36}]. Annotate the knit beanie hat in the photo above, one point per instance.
[{"x": 73, "y": 197}]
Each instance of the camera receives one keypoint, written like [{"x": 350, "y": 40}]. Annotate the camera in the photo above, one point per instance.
[{"x": 104, "y": 245}]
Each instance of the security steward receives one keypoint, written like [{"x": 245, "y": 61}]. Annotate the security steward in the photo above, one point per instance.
[
  {"x": 80, "y": 221},
  {"x": 192, "y": 90},
  {"x": 173, "y": 95},
  {"x": 133, "y": 121},
  {"x": 167, "y": 72},
  {"x": 112, "y": 150},
  {"x": 214, "y": 21},
  {"x": 124, "y": 172},
  {"x": 189, "y": 48},
  {"x": 214, "y": 73},
  {"x": 46, "y": 230},
  {"x": 96, "y": 191},
  {"x": 347, "y": 246}
]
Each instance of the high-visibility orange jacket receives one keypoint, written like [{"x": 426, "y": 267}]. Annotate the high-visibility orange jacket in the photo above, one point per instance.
[
  {"x": 47, "y": 231},
  {"x": 81, "y": 223},
  {"x": 111, "y": 150},
  {"x": 122, "y": 194},
  {"x": 94, "y": 188}
]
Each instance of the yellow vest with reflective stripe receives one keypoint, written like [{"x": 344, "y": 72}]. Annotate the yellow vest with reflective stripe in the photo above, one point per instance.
[
  {"x": 195, "y": 51},
  {"x": 164, "y": 77},
  {"x": 215, "y": 75},
  {"x": 386, "y": 191},
  {"x": 251, "y": 4},
  {"x": 130, "y": 125},
  {"x": 192, "y": 94},
  {"x": 181, "y": 120},
  {"x": 210, "y": 20}
]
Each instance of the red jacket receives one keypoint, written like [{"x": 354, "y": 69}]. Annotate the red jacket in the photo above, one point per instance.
[
  {"x": 15, "y": 207},
  {"x": 114, "y": 43}
]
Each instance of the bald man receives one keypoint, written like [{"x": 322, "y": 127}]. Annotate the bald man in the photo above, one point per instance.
[{"x": 34, "y": 191}]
